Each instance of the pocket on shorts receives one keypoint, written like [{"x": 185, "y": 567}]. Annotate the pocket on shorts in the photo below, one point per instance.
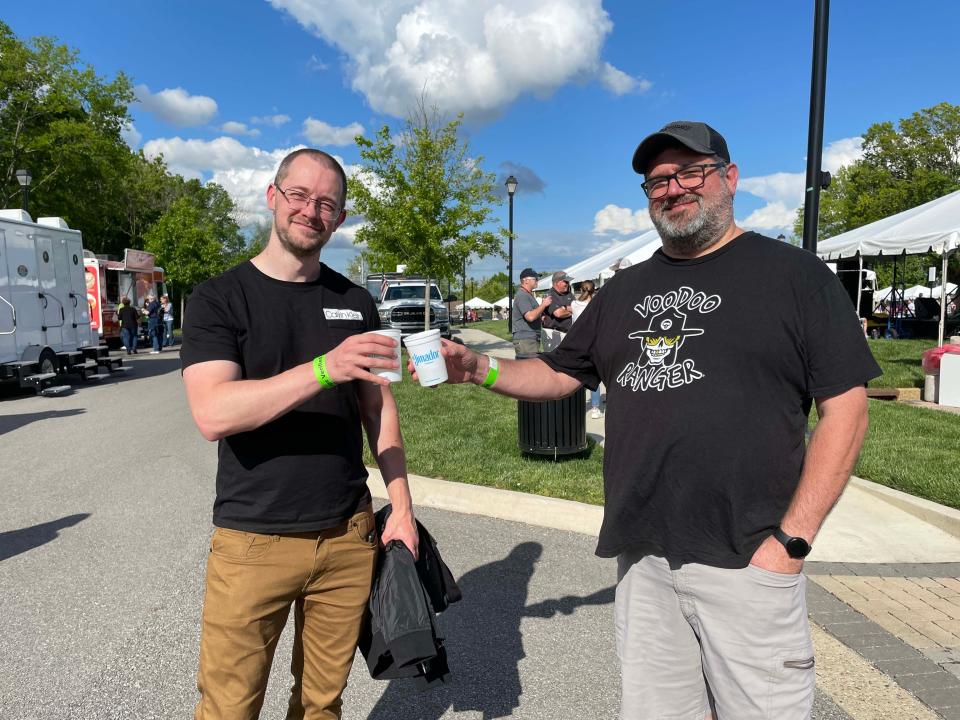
[
  {"x": 771, "y": 578},
  {"x": 239, "y": 545}
]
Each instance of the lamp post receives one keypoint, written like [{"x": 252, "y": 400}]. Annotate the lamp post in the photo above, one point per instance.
[
  {"x": 511, "y": 184},
  {"x": 24, "y": 178}
]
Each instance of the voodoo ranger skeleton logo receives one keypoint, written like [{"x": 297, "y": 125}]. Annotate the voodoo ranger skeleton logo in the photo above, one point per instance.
[{"x": 661, "y": 365}]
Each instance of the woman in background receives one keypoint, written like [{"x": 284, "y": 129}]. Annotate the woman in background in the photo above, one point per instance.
[{"x": 587, "y": 291}]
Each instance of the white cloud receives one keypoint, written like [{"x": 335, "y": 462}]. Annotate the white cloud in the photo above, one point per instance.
[
  {"x": 621, "y": 221},
  {"x": 773, "y": 216},
  {"x": 320, "y": 133},
  {"x": 271, "y": 120},
  {"x": 176, "y": 106},
  {"x": 131, "y": 136},
  {"x": 232, "y": 127},
  {"x": 474, "y": 57},
  {"x": 619, "y": 83},
  {"x": 782, "y": 187},
  {"x": 842, "y": 152},
  {"x": 316, "y": 64},
  {"x": 244, "y": 171}
]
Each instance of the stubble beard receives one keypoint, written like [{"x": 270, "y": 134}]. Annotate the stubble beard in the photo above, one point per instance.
[
  {"x": 299, "y": 250},
  {"x": 686, "y": 237}
]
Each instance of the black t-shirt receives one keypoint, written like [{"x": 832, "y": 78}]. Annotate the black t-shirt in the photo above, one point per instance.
[
  {"x": 560, "y": 300},
  {"x": 303, "y": 471},
  {"x": 710, "y": 366}
]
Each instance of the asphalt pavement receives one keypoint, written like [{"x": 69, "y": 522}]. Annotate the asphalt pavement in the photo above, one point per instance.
[{"x": 103, "y": 537}]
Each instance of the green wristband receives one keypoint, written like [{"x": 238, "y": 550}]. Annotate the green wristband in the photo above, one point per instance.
[
  {"x": 493, "y": 372},
  {"x": 321, "y": 374}
]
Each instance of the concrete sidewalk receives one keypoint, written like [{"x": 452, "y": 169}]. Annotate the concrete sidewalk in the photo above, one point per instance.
[{"x": 885, "y": 569}]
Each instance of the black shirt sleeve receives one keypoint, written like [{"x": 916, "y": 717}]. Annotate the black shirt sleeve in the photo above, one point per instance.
[
  {"x": 210, "y": 331},
  {"x": 575, "y": 355},
  {"x": 836, "y": 352}
]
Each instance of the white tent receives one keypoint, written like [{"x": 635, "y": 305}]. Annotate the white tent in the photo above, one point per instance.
[
  {"x": 592, "y": 267},
  {"x": 916, "y": 291},
  {"x": 502, "y": 302},
  {"x": 478, "y": 304},
  {"x": 931, "y": 227},
  {"x": 937, "y": 291}
]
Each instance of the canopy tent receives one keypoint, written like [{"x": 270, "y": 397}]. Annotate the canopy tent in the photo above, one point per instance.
[
  {"x": 478, "y": 304},
  {"x": 502, "y": 302},
  {"x": 938, "y": 291},
  {"x": 592, "y": 267},
  {"x": 931, "y": 227},
  {"x": 915, "y": 291}
]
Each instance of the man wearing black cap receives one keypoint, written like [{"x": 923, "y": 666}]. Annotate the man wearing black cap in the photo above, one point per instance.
[
  {"x": 559, "y": 316},
  {"x": 712, "y": 352},
  {"x": 525, "y": 315}
]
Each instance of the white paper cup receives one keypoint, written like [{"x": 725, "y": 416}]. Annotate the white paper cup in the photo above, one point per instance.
[
  {"x": 424, "y": 349},
  {"x": 391, "y": 374}
]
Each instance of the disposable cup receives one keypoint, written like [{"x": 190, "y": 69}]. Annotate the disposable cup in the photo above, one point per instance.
[
  {"x": 391, "y": 374},
  {"x": 424, "y": 349}
]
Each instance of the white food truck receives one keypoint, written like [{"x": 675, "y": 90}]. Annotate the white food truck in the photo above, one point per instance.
[{"x": 45, "y": 328}]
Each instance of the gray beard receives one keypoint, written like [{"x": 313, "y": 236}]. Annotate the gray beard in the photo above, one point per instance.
[{"x": 686, "y": 238}]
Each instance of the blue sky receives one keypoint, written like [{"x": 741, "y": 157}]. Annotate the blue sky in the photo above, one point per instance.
[{"x": 559, "y": 92}]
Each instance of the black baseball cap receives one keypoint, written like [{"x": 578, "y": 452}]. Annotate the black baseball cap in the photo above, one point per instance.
[
  {"x": 528, "y": 272},
  {"x": 696, "y": 136}
]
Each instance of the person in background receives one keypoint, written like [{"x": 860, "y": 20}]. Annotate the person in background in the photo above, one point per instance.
[
  {"x": 129, "y": 325},
  {"x": 167, "y": 307},
  {"x": 558, "y": 316},
  {"x": 154, "y": 322},
  {"x": 525, "y": 315},
  {"x": 587, "y": 291}
]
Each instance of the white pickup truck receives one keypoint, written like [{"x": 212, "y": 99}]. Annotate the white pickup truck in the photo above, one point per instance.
[{"x": 400, "y": 303}]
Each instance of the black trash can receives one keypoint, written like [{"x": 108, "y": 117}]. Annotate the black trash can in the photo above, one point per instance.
[{"x": 553, "y": 427}]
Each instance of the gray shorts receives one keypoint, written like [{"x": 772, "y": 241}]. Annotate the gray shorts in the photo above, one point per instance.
[
  {"x": 526, "y": 347},
  {"x": 699, "y": 638}
]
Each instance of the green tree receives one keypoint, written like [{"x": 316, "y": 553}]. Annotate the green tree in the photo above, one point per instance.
[
  {"x": 62, "y": 122},
  {"x": 425, "y": 200},
  {"x": 197, "y": 237},
  {"x": 901, "y": 167},
  {"x": 493, "y": 288}
]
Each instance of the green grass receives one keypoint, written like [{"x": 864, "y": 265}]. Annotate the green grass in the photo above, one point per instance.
[
  {"x": 463, "y": 434},
  {"x": 468, "y": 435},
  {"x": 900, "y": 362},
  {"x": 912, "y": 449},
  {"x": 494, "y": 327}
]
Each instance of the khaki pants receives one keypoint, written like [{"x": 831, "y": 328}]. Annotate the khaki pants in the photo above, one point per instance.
[{"x": 252, "y": 580}]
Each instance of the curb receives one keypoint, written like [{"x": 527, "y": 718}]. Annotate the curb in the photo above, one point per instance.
[
  {"x": 496, "y": 503},
  {"x": 940, "y": 516},
  {"x": 586, "y": 519}
]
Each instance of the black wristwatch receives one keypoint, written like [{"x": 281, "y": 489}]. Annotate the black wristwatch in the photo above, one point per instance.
[{"x": 796, "y": 547}]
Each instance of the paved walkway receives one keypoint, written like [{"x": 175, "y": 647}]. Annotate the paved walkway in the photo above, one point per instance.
[{"x": 886, "y": 578}]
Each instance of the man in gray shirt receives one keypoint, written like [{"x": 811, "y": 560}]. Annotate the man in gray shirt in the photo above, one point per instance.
[{"x": 525, "y": 315}]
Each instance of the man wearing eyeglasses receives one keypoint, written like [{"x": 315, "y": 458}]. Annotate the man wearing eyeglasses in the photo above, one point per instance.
[
  {"x": 277, "y": 369},
  {"x": 712, "y": 352}
]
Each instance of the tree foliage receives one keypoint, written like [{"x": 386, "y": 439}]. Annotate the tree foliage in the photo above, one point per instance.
[
  {"x": 425, "y": 200},
  {"x": 196, "y": 237},
  {"x": 902, "y": 167}
]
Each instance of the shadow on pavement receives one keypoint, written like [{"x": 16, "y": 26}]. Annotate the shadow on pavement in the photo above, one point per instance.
[
  {"x": 568, "y": 603},
  {"x": 484, "y": 646},
  {"x": 9, "y": 423},
  {"x": 15, "y": 542}
]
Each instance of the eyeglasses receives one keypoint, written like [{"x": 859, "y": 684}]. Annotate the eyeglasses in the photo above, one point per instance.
[
  {"x": 296, "y": 200},
  {"x": 688, "y": 178}
]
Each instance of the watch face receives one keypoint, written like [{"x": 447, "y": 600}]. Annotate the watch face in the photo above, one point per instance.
[{"x": 798, "y": 547}]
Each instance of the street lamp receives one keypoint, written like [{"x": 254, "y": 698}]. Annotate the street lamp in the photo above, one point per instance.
[
  {"x": 24, "y": 178},
  {"x": 511, "y": 184}
]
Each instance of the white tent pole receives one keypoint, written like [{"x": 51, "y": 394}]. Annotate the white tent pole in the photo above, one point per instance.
[
  {"x": 860, "y": 284},
  {"x": 943, "y": 296}
]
